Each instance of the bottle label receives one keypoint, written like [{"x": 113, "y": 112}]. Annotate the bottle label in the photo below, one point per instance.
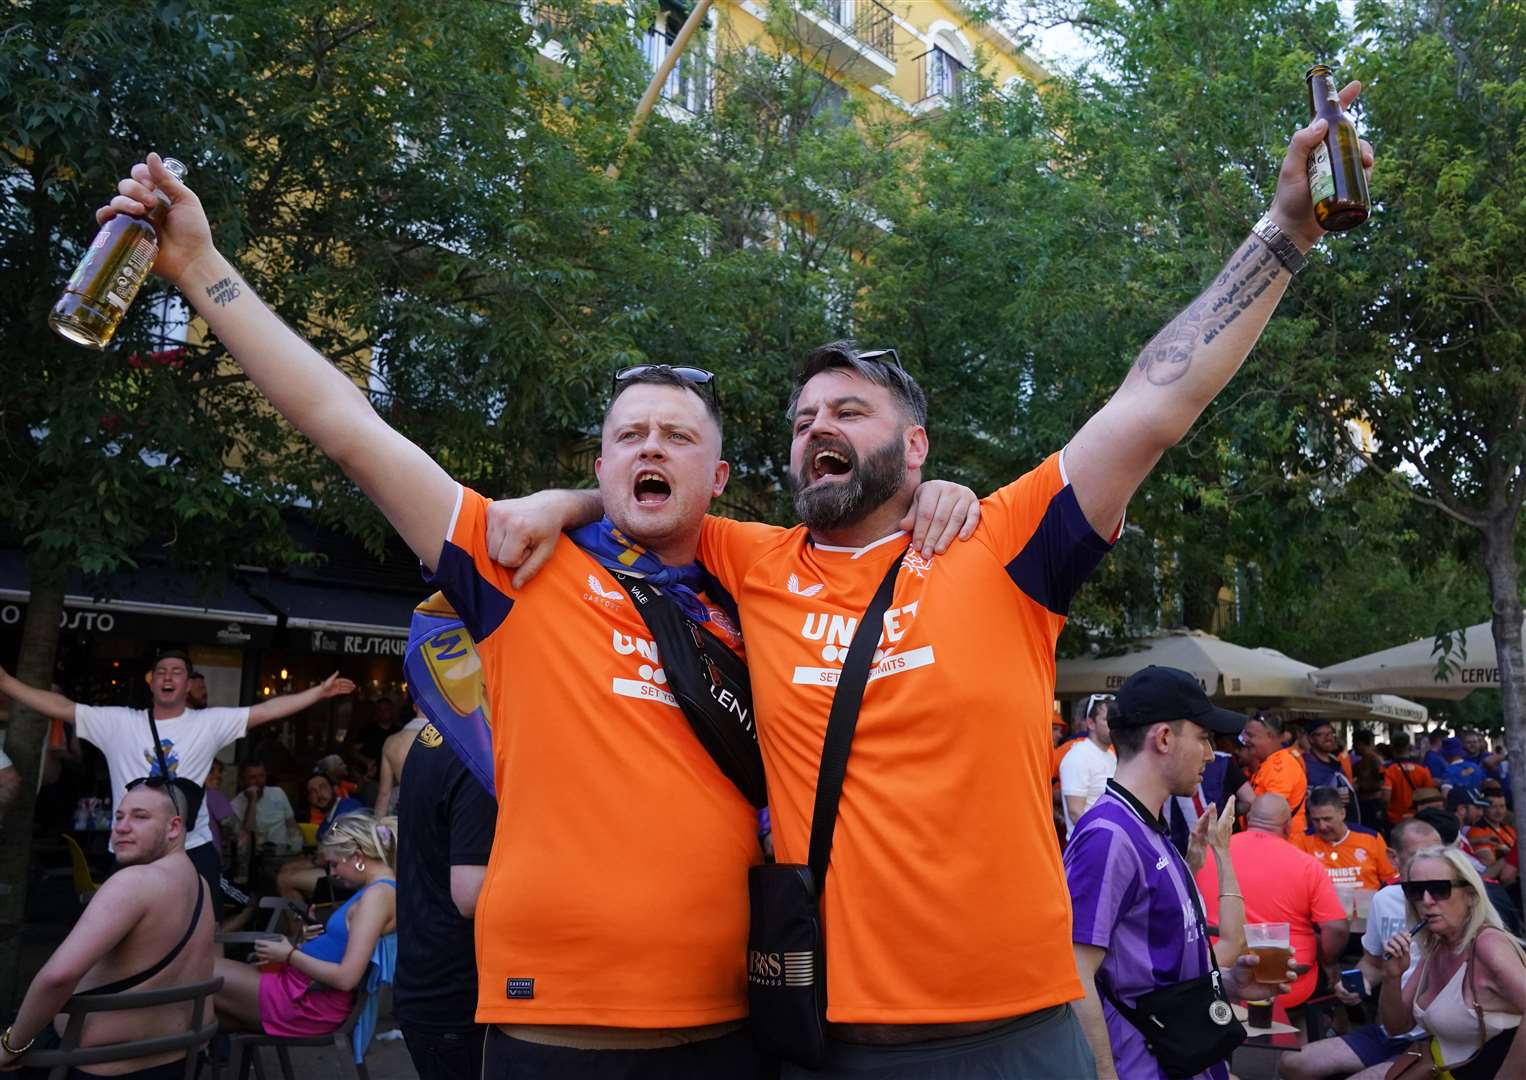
[
  {"x": 130, "y": 275},
  {"x": 1321, "y": 175}
]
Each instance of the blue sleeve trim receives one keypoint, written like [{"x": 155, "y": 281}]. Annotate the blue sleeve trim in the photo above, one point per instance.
[
  {"x": 481, "y": 606},
  {"x": 1059, "y": 556}
]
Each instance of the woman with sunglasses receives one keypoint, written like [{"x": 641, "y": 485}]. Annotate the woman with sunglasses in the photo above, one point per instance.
[
  {"x": 1469, "y": 990},
  {"x": 311, "y": 990}
]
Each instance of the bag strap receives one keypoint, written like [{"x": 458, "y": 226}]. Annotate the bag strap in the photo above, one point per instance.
[
  {"x": 842, "y": 721},
  {"x": 149, "y": 972}
]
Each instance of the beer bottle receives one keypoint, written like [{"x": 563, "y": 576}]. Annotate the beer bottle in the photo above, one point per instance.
[
  {"x": 110, "y": 274},
  {"x": 1337, "y": 181}
]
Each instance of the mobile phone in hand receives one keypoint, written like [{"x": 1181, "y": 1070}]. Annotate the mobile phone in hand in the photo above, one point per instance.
[{"x": 1354, "y": 982}]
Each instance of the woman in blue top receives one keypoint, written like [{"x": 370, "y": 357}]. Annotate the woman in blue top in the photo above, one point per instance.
[
  {"x": 299, "y": 877},
  {"x": 313, "y": 989}
]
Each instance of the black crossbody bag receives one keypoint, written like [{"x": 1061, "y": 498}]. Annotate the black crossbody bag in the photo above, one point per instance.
[
  {"x": 711, "y": 684},
  {"x": 786, "y": 958},
  {"x": 1189, "y": 1025}
]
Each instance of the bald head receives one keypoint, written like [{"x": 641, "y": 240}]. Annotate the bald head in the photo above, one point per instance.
[
  {"x": 1269, "y": 813},
  {"x": 1409, "y": 837}
]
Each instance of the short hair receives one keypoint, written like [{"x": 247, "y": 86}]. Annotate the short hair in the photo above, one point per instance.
[
  {"x": 1129, "y": 739},
  {"x": 1325, "y": 796},
  {"x": 1268, "y": 721},
  {"x": 1400, "y": 742},
  {"x": 843, "y": 355},
  {"x": 172, "y": 654},
  {"x": 1404, "y": 828},
  {"x": 663, "y": 375},
  {"x": 1363, "y": 736}
]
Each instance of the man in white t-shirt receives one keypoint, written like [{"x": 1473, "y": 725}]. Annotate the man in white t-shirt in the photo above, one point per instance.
[
  {"x": 1088, "y": 767},
  {"x": 1367, "y": 1050},
  {"x": 190, "y": 738}
]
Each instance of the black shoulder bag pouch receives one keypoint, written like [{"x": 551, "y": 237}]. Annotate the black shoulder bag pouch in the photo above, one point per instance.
[
  {"x": 711, "y": 685},
  {"x": 1189, "y": 1025},
  {"x": 786, "y": 957}
]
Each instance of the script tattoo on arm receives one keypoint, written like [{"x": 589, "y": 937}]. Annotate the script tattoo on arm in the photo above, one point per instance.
[
  {"x": 1250, "y": 273},
  {"x": 223, "y": 292}
]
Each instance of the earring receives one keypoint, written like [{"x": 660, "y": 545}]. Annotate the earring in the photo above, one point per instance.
[{"x": 360, "y": 865}]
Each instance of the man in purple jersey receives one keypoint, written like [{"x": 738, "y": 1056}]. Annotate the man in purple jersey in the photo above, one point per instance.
[{"x": 1137, "y": 917}]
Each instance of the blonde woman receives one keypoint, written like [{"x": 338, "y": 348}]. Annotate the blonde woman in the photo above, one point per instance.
[
  {"x": 1469, "y": 990},
  {"x": 313, "y": 988}
]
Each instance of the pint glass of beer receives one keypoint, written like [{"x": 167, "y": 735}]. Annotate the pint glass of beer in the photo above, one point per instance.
[{"x": 1273, "y": 948}]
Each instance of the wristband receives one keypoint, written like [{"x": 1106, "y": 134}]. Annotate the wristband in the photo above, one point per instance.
[
  {"x": 1277, "y": 242},
  {"x": 1237, "y": 896},
  {"x": 14, "y": 1051}
]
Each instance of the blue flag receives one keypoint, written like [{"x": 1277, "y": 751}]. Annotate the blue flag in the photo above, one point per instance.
[{"x": 445, "y": 680}]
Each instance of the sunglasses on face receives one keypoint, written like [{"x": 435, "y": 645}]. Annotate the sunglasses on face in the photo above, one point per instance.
[
  {"x": 702, "y": 381},
  {"x": 1439, "y": 889}
]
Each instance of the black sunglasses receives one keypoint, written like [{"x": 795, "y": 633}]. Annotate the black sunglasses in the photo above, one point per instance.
[
  {"x": 1440, "y": 889},
  {"x": 888, "y": 357},
  {"x": 701, "y": 380}
]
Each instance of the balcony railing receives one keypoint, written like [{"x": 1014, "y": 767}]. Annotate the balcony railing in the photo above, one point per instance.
[
  {"x": 942, "y": 78},
  {"x": 870, "y": 21},
  {"x": 688, "y": 84}
]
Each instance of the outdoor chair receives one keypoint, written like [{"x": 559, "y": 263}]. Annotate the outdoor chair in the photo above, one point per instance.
[
  {"x": 69, "y": 1054},
  {"x": 350, "y": 1040},
  {"x": 84, "y": 884}
]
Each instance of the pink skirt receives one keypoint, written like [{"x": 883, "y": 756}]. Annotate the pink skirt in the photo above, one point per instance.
[{"x": 291, "y": 1004}]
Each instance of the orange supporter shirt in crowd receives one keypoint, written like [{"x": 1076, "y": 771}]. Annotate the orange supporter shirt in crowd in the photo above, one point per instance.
[
  {"x": 1058, "y": 756},
  {"x": 1360, "y": 859},
  {"x": 946, "y": 898},
  {"x": 1404, "y": 779},
  {"x": 1280, "y": 884},
  {"x": 1491, "y": 842},
  {"x": 1284, "y": 773},
  {"x": 616, "y": 891}
]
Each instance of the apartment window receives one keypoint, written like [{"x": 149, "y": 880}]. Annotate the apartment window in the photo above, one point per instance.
[
  {"x": 687, "y": 85},
  {"x": 944, "y": 74}
]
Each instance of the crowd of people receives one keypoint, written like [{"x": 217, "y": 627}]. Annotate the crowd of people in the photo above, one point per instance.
[{"x": 974, "y": 924}]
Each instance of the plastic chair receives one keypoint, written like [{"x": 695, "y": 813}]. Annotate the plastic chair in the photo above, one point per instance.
[
  {"x": 84, "y": 884},
  {"x": 69, "y": 1054}
]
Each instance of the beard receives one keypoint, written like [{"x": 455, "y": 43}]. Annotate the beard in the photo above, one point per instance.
[{"x": 872, "y": 482}]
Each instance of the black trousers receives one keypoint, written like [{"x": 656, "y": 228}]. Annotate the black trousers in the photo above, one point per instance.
[
  {"x": 730, "y": 1057},
  {"x": 209, "y": 865},
  {"x": 446, "y": 1055}
]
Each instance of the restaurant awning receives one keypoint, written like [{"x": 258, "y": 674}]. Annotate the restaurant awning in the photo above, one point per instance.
[{"x": 1411, "y": 669}]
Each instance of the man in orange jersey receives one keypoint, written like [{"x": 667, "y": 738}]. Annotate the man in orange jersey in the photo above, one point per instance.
[
  {"x": 943, "y": 947},
  {"x": 1492, "y": 837},
  {"x": 1405, "y": 777},
  {"x": 612, "y": 921},
  {"x": 1358, "y": 859},
  {"x": 1278, "y": 769}
]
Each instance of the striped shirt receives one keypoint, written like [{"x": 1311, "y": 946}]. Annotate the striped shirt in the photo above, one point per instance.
[{"x": 1130, "y": 893}]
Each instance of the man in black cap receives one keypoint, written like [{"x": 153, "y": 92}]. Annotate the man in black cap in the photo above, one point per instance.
[
  {"x": 1136, "y": 906},
  {"x": 1329, "y": 767}
]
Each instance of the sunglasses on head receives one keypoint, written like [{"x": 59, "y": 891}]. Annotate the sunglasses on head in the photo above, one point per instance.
[
  {"x": 1439, "y": 889},
  {"x": 888, "y": 357},
  {"x": 702, "y": 381}
]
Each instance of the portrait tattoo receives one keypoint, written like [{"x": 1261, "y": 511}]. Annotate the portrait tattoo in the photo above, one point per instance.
[
  {"x": 223, "y": 292},
  {"x": 1250, "y": 273}
]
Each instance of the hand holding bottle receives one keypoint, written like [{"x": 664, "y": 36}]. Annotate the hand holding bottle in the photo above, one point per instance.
[{"x": 184, "y": 235}]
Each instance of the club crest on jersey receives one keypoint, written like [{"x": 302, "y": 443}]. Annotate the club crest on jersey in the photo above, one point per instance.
[
  {"x": 795, "y": 587},
  {"x": 1361, "y": 854},
  {"x": 916, "y": 563}
]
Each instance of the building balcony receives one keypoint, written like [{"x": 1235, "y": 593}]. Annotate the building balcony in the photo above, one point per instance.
[
  {"x": 858, "y": 36},
  {"x": 943, "y": 80},
  {"x": 688, "y": 85}
]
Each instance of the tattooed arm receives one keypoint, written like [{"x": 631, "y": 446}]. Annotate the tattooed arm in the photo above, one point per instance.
[
  {"x": 318, "y": 398},
  {"x": 1184, "y": 367}
]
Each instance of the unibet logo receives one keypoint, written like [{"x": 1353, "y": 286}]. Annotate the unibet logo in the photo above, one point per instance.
[
  {"x": 837, "y": 631},
  {"x": 651, "y": 671}
]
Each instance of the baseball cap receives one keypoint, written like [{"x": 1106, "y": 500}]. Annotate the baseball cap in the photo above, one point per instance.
[
  {"x": 1451, "y": 747},
  {"x": 1156, "y": 695},
  {"x": 1465, "y": 796}
]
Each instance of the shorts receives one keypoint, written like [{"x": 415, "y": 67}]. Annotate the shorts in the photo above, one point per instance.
[
  {"x": 1373, "y": 1046},
  {"x": 727, "y": 1057},
  {"x": 1047, "y": 1043},
  {"x": 292, "y": 1005}
]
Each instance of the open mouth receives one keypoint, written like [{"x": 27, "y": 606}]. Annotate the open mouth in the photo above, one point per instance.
[
  {"x": 652, "y": 489},
  {"x": 828, "y": 462}
]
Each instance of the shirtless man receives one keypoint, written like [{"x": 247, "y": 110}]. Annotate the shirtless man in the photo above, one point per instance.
[
  {"x": 394, "y": 753},
  {"x": 136, "y": 919}
]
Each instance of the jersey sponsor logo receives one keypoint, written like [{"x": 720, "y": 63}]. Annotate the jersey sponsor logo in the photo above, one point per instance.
[
  {"x": 650, "y": 681},
  {"x": 809, "y": 590},
  {"x": 605, "y": 598},
  {"x": 892, "y": 664},
  {"x": 835, "y": 632}
]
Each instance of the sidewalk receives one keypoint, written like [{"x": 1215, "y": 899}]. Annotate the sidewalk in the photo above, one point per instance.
[{"x": 386, "y": 1060}]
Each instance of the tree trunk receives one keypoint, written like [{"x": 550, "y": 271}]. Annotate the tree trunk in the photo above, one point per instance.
[
  {"x": 1505, "y": 602},
  {"x": 25, "y": 742}
]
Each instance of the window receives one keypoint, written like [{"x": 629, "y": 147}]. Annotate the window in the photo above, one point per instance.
[{"x": 687, "y": 86}]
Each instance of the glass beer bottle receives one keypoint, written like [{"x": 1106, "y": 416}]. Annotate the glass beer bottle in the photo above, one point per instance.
[
  {"x": 110, "y": 274},
  {"x": 1337, "y": 181}
]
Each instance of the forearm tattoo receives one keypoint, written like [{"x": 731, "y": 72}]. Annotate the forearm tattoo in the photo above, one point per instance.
[
  {"x": 1250, "y": 273},
  {"x": 223, "y": 292}
]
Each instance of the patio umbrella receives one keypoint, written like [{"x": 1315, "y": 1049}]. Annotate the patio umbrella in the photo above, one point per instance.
[
  {"x": 1411, "y": 669},
  {"x": 1238, "y": 677}
]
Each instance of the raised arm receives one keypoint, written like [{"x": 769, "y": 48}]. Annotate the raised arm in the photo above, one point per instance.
[
  {"x": 278, "y": 708},
  {"x": 53, "y": 706},
  {"x": 413, "y": 492},
  {"x": 1184, "y": 367}
]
